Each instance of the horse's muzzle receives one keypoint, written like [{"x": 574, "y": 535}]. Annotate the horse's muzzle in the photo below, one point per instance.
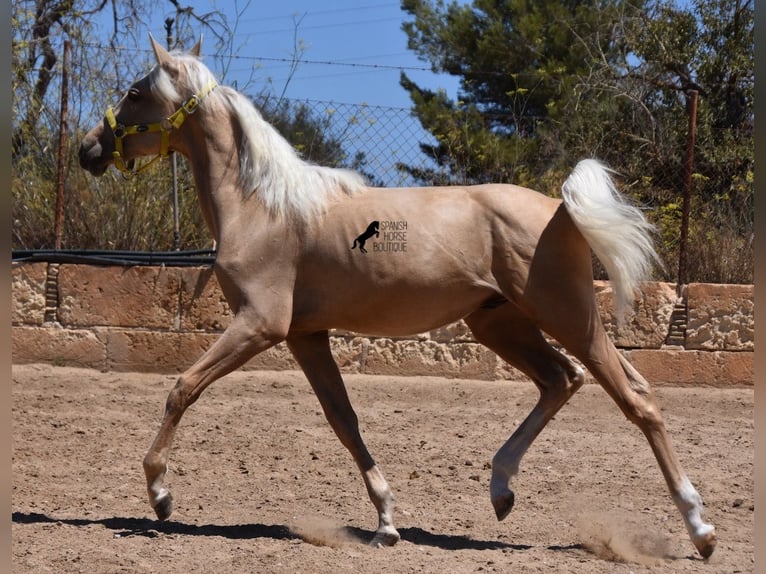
[{"x": 92, "y": 156}]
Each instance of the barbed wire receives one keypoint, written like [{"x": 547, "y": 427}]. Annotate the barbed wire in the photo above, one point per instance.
[{"x": 359, "y": 66}]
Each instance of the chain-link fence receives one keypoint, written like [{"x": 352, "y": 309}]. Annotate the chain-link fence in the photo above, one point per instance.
[
  {"x": 386, "y": 144},
  {"x": 377, "y": 140}
]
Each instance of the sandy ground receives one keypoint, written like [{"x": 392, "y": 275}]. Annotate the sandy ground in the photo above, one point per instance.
[{"x": 262, "y": 485}]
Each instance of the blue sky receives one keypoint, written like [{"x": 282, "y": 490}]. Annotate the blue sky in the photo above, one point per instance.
[{"x": 352, "y": 50}]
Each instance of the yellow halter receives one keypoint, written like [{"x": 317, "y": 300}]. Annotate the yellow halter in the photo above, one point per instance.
[{"x": 172, "y": 122}]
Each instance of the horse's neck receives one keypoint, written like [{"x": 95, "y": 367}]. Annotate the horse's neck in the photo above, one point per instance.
[{"x": 213, "y": 154}]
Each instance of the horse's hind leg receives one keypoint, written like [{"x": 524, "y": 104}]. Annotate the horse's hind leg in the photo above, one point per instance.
[
  {"x": 233, "y": 348},
  {"x": 568, "y": 312},
  {"x": 315, "y": 358},
  {"x": 520, "y": 343},
  {"x": 635, "y": 398}
]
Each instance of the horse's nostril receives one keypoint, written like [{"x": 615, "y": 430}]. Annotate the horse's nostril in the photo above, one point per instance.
[
  {"x": 85, "y": 148},
  {"x": 83, "y": 155}
]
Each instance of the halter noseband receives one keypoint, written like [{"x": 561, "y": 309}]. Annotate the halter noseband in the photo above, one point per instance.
[{"x": 172, "y": 122}]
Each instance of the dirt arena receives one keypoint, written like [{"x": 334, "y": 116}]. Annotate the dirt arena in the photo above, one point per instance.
[{"x": 262, "y": 485}]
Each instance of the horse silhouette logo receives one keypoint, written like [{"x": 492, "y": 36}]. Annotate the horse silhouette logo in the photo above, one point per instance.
[{"x": 372, "y": 229}]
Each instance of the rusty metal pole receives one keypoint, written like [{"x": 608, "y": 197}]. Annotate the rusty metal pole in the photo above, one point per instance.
[
  {"x": 691, "y": 103},
  {"x": 173, "y": 159},
  {"x": 60, "y": 172}
]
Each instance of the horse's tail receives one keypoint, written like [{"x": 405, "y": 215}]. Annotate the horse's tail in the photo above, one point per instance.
[{"x": 616, "y": 231}]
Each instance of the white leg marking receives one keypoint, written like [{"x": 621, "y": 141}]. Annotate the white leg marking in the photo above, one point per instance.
[{"x": 689, "y": 502}]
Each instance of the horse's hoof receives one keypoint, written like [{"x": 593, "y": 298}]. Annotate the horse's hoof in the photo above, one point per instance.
[
  {"x": 164, "y": 507},
  {"x": 385, "y": 537},
  {"x": 706, "y": 544},
  {"x": 503, "y": 504}
]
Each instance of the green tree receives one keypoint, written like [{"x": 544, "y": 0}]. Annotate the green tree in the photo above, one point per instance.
[
  {"x": 707, "y": 46},
  {"x": 546, "y": 83},
  {"x": 517, "y": 62}
]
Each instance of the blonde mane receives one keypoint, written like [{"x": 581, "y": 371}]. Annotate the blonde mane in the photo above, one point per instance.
[{"x": 270, "y": 168}]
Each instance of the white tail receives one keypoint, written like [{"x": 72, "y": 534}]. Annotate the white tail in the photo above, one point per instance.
[{"x": 616, "y": 231}]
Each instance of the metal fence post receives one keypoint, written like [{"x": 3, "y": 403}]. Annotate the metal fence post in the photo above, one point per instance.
[
  {"x": 173, "y": 160},
  {"x": 60, "y": 175},
  {"x": 689, "y": 168}
]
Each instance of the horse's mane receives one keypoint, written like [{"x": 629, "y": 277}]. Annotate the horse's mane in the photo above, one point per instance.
[{"x": 270, "y": 168}]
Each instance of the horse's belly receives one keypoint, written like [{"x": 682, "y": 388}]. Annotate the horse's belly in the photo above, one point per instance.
[{"x": 392, "y": 312}]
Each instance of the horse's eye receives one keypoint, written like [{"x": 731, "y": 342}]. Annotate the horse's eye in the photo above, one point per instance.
[{"x": 134, "y": 94}]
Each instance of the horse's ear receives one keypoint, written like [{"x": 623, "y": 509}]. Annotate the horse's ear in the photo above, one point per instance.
[
  {"x": 162, "y": 55},
  {"x": 197, "y": 48},
  {"x": 164, "y": 59}
]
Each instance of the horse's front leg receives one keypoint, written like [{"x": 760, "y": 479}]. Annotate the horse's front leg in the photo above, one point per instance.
[
  {"x": 244, "y": 338},
  {"x": 315, "y": 358}
]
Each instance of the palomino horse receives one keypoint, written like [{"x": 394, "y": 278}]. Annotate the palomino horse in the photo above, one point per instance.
[{"x": 510, "y": 261}]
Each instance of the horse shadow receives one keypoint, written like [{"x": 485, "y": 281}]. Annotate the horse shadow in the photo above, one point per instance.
[
  {"x": 129, "y": 526},
  {"x": 146, "y": 527}
]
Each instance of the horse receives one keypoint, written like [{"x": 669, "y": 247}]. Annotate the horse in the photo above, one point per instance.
[
  {"x": 513, "y": 263},
  {"x": 372, "y": 229}
]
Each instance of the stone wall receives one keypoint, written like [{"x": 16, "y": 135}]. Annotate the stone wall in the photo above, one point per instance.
[{"x": 160, "y": 319}]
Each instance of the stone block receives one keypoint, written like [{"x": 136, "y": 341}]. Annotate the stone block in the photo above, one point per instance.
[
  {"x": 278, "y": 358},
  {"x": 116, "y": 296},
  {"x": 154, "y": 351},
  {"x": 505, "y": 372},
  {"x": 457, "y": 332},
  {"x": 28, "y": 293},
  {"x": 721, "y": 317},
  {"x": 647, "y": 325},
  {"x": 59, "y": 346},
  {"x": 428, "y": 358},
  {"x": 172, "y": 352},
  {"x": 203, "y": 305},
  {"x": 717, "y": 368},
  {"x": 349, "y": 352}
]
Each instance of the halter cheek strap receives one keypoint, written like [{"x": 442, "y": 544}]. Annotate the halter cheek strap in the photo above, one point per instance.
[{"x": 172, "y": 122}]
